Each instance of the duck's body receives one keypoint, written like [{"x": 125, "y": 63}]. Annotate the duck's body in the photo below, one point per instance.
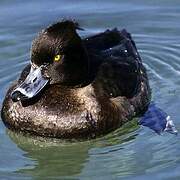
[{"x": 114, "y": 90}]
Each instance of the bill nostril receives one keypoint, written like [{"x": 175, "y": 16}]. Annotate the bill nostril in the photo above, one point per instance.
[{"x": 34, "y": 79}]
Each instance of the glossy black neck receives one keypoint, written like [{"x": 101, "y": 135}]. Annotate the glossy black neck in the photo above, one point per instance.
[{"x": 77, "y": 70}]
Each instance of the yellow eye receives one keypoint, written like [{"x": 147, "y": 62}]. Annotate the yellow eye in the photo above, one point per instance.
[{"x": 57, "y": 57}]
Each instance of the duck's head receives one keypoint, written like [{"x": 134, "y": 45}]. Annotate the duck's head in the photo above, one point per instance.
[{"x": 57, "y": 57}]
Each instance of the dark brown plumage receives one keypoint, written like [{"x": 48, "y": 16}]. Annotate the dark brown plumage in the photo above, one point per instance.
[{"x": 99, "y": 84}]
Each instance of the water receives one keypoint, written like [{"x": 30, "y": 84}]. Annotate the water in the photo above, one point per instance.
[{"x": 131, "y": 152}]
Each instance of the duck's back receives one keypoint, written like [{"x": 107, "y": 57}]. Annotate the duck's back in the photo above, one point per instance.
[{"x": 115, "y": 62}]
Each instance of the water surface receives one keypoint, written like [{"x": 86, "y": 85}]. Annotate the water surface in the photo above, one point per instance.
[{"x": 131, "y": 152}]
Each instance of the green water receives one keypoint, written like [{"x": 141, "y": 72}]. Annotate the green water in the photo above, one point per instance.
[{"x": 131, "y": 152}]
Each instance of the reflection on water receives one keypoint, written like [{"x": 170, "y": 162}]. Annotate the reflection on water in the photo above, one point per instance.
[
  {"x": 54, "y": 158},
  {"x": 130, "y": 152}
]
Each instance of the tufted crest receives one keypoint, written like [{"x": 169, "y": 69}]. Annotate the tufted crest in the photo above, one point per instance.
[{"x": 63, "y": 25}]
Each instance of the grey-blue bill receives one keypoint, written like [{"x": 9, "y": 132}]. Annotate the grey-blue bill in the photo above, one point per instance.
[{"x": 31, "y": 86}]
